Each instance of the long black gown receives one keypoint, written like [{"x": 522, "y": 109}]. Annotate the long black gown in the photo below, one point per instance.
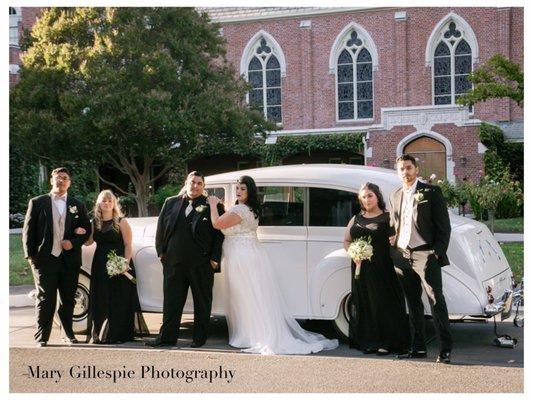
[
  {"x": 114, "y": 312},
  {"x": 378, "y": 317}
]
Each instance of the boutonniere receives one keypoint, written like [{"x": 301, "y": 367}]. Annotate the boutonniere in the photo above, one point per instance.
[
  {"x": 201, "y": 208},
  {"x": 73, "y": 209},
  {"x": 419, "y": 197}
]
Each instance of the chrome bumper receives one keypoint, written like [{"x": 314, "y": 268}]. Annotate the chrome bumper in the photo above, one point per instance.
[{"x": 504, "y": 304}]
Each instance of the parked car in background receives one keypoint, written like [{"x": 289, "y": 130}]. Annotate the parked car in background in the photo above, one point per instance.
[{"x": 305, "y": 211}]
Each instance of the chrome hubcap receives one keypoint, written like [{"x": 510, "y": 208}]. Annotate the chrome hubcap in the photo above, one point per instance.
[{"x": 81, "y": 305}]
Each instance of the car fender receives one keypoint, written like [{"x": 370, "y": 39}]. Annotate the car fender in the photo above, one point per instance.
[
  {"x": 329, "y": 283},
  {"x": 87, "y": 254},
  {"x": 464, "y": 295}
]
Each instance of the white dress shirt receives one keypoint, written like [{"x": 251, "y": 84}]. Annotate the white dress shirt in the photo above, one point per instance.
[
  {"x": 60, "y": 202},
  {"x": 408, "y": 236}
]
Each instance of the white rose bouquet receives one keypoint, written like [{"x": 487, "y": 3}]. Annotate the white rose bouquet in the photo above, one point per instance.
[
  {"x": 117, "y": 265},
  {"x": 359, "y": 250}
]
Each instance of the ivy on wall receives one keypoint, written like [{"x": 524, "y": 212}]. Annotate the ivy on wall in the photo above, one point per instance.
[
  {"x": 286, "y": 146},
  {"x": 501, "y": 155}
]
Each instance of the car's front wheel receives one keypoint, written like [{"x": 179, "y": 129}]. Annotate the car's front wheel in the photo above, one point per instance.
[
  {"x": 81, "y": 305},
  {"x": 341, "y": 323}
]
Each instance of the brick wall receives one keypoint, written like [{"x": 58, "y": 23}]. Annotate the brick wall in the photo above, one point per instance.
[
  {"x": 402, "y": 78},
  {"x": 464, "y": 142}
]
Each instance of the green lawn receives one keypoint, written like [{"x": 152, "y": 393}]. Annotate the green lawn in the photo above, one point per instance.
[
  {"x": 509, "y": 225},
  {"x": 514, "y": 252},
  {"x": 19, "y": 269}
]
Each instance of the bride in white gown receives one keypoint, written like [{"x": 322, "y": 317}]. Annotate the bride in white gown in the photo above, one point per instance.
[{"x": 258, "y": 317}]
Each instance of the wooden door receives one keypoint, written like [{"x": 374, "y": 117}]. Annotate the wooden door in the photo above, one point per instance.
[{"x": 431, "y": 156}]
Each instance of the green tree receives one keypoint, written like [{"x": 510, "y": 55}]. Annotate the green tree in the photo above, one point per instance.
[
  {"x": 129, "y": 87},
  {"x": 497, "y": 78}
]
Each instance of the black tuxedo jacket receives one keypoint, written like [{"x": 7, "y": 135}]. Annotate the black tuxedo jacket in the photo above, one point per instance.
[
  {"x": 430, "y": 215},
  {"x": 37, "y": 233},
  {"x": 207, "y": 237}
]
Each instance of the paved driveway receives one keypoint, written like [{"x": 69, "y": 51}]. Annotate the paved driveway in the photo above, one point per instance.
[{"x": 477, "y": 365}]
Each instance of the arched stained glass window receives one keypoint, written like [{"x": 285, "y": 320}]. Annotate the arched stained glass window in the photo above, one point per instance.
[
  {"x": 264, "y": 75},
  {"x": 452, "y": 63},
  {"x": 354, "y": 80}
]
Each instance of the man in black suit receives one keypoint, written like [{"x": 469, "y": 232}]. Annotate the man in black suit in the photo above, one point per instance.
[
  {"x": 190, "y": 250},
  {"x": 421, "y": 223},
  {"x": 55, "y": 228}
]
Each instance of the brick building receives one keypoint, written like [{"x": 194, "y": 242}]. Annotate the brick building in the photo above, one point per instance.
[
  {"x": 389, "y": 74},
  {"x": 20, "y": 18}
]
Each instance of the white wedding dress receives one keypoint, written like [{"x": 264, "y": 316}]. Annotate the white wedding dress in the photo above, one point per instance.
[{"x": 258, "y": 317}]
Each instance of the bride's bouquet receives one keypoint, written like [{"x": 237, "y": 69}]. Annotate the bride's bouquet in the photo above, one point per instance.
[
  {"x": 359, "y": 250},
  {"x": 117, "y": 265}
]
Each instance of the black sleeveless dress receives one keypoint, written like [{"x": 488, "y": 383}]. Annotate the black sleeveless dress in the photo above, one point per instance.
[
  {"x": 378, "y": 317},
  {"x": 114, "y": 311}
]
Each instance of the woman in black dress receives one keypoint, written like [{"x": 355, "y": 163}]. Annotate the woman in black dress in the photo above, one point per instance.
[
  {"x": 378, "y": 320},
  {"x": 114, "y": 312}
]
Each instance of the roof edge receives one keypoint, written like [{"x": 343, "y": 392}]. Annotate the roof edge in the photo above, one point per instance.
[{"x": 301, "y": 13}]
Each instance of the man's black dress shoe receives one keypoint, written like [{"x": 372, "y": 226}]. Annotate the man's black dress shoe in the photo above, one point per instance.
[
  {"x": 69, "y": 339},
  {"x": 195, "y": 345},
  {"x": 158, "y": 343},
  {"x": 444, "y": 357},
  {"x": 369, "y": 351},
  {"x": 382, "y": 352},
  {"x": 413, "y": 354},
  {"x": 42, "y": 343}
]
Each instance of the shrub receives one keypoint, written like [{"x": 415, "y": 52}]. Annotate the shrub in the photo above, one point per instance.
[
  {"x": 449, "y": 191},
  {"x": 492, "y": 195},
  {"x": 16, "y": 220},
  {"x": 165, "y": 191},
  {"x": 128, "y": 205},
  {"x": 511, "y": 204}
]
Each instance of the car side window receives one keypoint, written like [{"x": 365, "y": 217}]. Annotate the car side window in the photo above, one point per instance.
[
  {"x": 331, "y": 207},
  {"x": 219, "y": 192},
  {"x": 281, "y": 206}
]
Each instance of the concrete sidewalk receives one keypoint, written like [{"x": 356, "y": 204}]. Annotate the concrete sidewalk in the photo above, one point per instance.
[{"x": 19, "y": 296}]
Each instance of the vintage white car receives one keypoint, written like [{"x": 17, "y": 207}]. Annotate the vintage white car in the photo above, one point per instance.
[{"x": 305, "y": 211}]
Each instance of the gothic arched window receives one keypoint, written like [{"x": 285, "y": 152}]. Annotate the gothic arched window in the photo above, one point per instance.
[
  {"x": 354, "y": 80},
  {"x": 264, "y": 75},
  {"x": 452, "y": 63}
]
